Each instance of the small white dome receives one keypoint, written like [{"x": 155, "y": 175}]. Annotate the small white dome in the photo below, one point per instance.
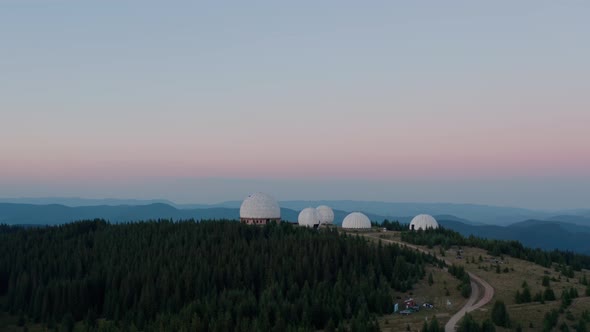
[
  {"x": 326, "y": 214},
  {"x": 260, "y": 206},
  {"x": 356, "y": 220},
  {"x": 424, "y": 222},
  {"x": 309, "y": 217}
]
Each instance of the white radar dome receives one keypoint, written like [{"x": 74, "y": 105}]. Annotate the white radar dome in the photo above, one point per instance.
[
  {"x": 309, "y": 217},
  {"x": 424, "y": 222},
  {"x": 356, "y": 220},
  {"x": 260, "y": 206},
  {"x": 326, "y": 215}
]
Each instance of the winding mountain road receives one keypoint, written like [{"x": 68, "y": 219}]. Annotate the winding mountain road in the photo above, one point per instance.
[{"x": 478, "y": 285}]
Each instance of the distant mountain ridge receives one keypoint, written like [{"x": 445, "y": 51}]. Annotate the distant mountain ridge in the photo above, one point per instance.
[
  {"x": 546, "y": 234},
  {"x": 57, "y": 214},
  {"x": 467, "y": 213},
  {"x": 77, "y": 201},
  {"x": 542, "y": 234},
  {"x": 54, "y": 214}
]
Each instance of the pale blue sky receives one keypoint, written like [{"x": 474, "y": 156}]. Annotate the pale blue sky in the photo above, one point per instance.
[{"x": 384, "y": 96}]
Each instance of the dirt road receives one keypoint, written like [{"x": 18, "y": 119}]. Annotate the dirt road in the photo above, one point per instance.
[{"x": 478, "y": 285}]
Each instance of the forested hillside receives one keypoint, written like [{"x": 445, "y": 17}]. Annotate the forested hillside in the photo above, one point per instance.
[{"x": 216, "y": 276}]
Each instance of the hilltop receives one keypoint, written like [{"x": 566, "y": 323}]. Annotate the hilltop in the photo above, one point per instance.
[{"x": 209, "y": 276}]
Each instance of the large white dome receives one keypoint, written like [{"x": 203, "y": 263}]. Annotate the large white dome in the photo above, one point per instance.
[
  {"x": 309, "y": 217},
  {"x": 356, "y": 220},
  {"x": 326, "y": 214},
  {"x": 424, "y": 222},
  {"x": 260, "y": 206}
]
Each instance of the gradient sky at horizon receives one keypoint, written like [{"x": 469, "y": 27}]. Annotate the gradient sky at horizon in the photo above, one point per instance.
[{"x": 459, "y": 101}]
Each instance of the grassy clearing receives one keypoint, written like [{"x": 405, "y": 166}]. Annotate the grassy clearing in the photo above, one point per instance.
[
  {"x": 572, "y": 315},
  {"x": 513, "y": 272},
  {"x": 507, "y": 283},
  {"x": 528, "y": 315},
  {"x": 434, "y": 294}
]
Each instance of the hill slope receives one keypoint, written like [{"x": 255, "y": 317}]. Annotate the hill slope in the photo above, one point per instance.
[
  {"x": 546, "y": 235},
  {"x": 217, "y": 276}
]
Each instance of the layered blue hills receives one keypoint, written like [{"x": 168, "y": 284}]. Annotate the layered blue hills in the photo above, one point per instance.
[{"x": 536, "y": 229}]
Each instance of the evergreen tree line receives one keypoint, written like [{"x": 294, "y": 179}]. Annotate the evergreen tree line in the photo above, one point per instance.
[
  {"x": 459, "y": 272},
  {"x": 552, "y": 317},
  {"x": 469, "y": 324},
  {"x": 434, "y": 326},
  {"x": 526, "y": 296},
  {"x": 498, "y": 317},
  {"x": 391, "y": 225},
  {"x": 207, "y": 276},
  {"x": 447, "y": 238}
]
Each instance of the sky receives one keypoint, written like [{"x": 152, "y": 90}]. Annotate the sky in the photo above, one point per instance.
[{"x": 201, "y": 102}]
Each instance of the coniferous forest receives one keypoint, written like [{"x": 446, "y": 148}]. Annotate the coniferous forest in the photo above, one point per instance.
[{"x": 207, "y": 276}]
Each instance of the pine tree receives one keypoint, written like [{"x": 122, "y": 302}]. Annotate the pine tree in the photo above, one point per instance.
[
  {"x": 549, "y": 295},
  {"x": 468, "y": 324},
  {"x": 67, "y": 323},
  {"x": 434, "y": 325},
  {"x": 546, "y": 281},
  {"x": 526, "y": 295},
  {"x": 488, "y": 326},
  {"x": 500, "y": 314}
]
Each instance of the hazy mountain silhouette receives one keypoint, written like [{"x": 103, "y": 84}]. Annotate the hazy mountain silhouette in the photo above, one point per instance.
[
  {"x": 550, "y": 233},
  {"x": 77, "y": 201},
  {"x": 58, "y": 214},
  {"x": 542, "y": 234},
  {"x": 572, "y": 219},
  {"x": 467, "y": 213},
  {"x": 53, "y": 214}
]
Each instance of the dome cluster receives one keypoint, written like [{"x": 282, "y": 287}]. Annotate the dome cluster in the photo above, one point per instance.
[
  {"x": 423, "y": 222},
  {"x": 259, "y": 208},
  {"x": 314, "y": 217},
  {"x": 326, "y": 215}
]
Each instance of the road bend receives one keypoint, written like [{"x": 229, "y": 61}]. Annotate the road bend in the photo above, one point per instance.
[{"x": 481, "y": 291}]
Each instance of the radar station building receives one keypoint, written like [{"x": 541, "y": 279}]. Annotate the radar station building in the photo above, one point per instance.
[{"x": 259, "y": 209}]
